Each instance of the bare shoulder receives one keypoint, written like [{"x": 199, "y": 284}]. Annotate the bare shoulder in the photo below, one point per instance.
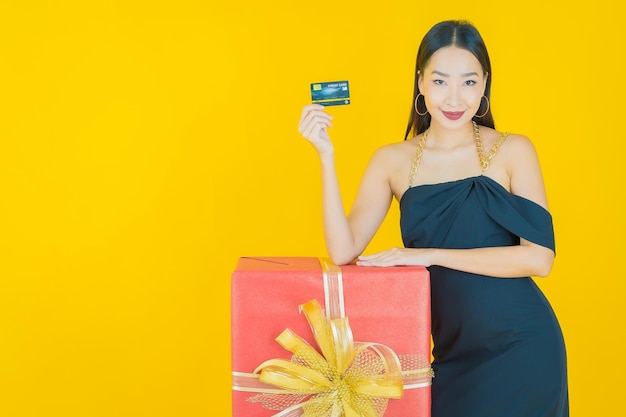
[
  {"x": 520, "y": 143},
  {"x": 519, "y": 155},
  {"x": 511, "y": 148},
  {"x": 513, "y": 141},
  {"x": 393, "y": 163},
  {"x": 518, "y": 150},
  {"x": 395, "y": 148},
  {"x": 393, "y": 153}
]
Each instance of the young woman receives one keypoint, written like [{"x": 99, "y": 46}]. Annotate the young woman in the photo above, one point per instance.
[{"x": 474, "y": 212}]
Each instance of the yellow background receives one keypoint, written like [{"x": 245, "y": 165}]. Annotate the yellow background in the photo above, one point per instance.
[{"x": 146, "y": 145}]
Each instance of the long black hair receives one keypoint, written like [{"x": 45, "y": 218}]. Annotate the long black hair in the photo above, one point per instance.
[{"x": 461, "y": 34}]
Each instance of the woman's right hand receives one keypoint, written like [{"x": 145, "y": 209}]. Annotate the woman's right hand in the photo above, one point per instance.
[{"x": 313, "y": 125}]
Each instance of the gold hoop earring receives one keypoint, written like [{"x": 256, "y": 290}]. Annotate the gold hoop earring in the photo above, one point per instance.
[
  {"x": 486, "y": 111},
  {"x": 415, "y": 105}
]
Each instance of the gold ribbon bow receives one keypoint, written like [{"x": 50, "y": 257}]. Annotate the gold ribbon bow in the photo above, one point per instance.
[{"x": 348, "y": 378}]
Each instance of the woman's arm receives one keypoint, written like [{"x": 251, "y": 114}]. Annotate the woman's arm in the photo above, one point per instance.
[
  {"x": 526, "y": 259},
  {"x": 346, "y": 236},
  {"x": 520, "y": 161}
]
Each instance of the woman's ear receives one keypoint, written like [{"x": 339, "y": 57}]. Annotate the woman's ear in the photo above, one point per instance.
[
  {"x": 485, "y": 78},
  {"x": 420, "y": 80}
]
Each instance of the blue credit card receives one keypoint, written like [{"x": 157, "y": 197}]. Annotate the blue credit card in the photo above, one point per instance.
[{"x": 332, "y": 93}]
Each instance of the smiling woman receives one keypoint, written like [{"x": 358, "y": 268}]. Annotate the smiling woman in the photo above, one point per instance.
[
  {"x": 481, "y": 225},
  {"x": 437, "y": 47}
]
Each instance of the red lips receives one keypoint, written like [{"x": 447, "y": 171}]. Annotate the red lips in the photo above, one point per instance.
[{"x": 453, "y": 115}]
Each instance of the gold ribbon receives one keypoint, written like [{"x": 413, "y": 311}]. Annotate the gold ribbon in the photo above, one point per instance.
[{"x": 347, "y": 378}]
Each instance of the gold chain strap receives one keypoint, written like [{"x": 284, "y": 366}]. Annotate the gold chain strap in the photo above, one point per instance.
[
  {"x": 484, "y": 162},
  {"x": 418, "y": 157}
]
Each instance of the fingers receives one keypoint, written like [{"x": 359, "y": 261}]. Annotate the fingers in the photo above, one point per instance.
[
  {"x": 397, "y": 257},
  {"x": 379, "y": 255},
  {"x": 313, "y": 119},
  {"x": 387, "y": 258},
  {"x": 314, "y": 130},
  {"x": 381, "y": 263},
  {"x": 313, "y": 125},
  {"x": 313, "y": 108}
]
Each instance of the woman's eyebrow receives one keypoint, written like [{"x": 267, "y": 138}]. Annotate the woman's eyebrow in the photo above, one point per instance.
[{"x": 443, "y": 74}]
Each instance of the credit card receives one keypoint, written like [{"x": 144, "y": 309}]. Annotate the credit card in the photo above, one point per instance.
[{"x": 332, "y": 93}]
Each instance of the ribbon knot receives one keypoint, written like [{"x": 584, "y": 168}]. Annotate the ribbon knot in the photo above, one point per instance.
[{"x": 347, "y": 378}]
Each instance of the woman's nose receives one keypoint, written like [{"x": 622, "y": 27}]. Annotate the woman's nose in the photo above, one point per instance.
[{"x": 453, "y": 96}]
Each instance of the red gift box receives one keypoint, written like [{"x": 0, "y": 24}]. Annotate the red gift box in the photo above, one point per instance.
[{"x": 388, "y": 306}]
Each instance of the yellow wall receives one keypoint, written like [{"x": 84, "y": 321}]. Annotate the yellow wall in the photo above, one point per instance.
[{"x": 146, "y": 145}]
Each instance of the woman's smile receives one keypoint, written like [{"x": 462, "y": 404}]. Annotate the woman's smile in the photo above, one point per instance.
[{"x": 453, "y": 115}]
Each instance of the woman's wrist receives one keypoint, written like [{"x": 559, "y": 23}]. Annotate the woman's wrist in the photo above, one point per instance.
[
  {"x": 327, "y": 159},
  {"x": 426, "y": 256},
  {"x": 433, "y": 258}
]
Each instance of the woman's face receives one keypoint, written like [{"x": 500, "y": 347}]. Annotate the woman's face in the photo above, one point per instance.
[{"x": 453, "y": 84}]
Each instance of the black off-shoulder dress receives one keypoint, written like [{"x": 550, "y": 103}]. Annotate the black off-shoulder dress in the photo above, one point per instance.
[{"x": 498, "y": 347}]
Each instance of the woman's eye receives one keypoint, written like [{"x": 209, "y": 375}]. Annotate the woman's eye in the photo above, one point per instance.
[
  {"x": 470, "y": 82},
  {"x": 439, "y": 82}
]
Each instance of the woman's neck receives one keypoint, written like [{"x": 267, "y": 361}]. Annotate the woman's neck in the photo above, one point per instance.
[{"x": 442, "y": 137}]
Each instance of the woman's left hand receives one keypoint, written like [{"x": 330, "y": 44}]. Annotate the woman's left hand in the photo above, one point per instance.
[{"x": 397, "y": 257}]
